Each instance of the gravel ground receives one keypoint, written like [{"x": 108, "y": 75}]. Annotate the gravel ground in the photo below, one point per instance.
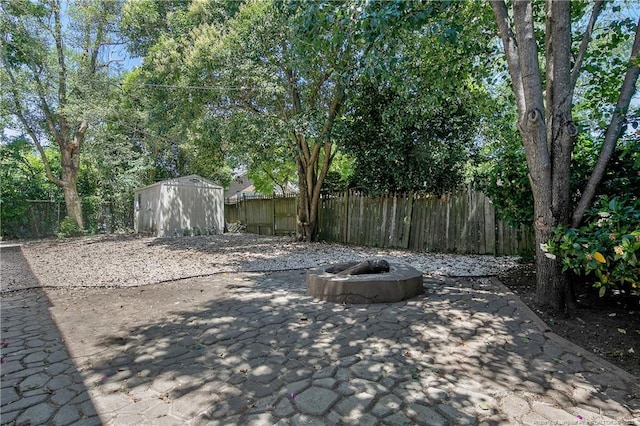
[{"x": 125, "y": 261}]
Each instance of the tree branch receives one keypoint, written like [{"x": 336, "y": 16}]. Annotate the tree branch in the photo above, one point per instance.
[
  {"x": 575, "y": 72},
  {"x": 531, "y": 119},
  {"x": 62, "y": 72},
  {"x": 614, "y": 131},
  {"x": 317, "y": 87},
  {"x": 78, "y": 138},
  {"x": 31, "y": 131},
  {"x": 49, "y": 115},
  {"x": 511, "y": 50}
]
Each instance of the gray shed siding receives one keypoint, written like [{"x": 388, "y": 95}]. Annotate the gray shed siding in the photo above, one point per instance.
[{"x": 179, "y": 206}]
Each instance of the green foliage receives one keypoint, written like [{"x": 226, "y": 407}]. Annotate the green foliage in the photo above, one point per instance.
[
  {"x": 274, "y": 176},
  {"x": 622, "y": 175},
  {"x": 340, "y": 173},
  {"x": 57, "y": 79},
  {"x": 606, "y": 249},
  {"x": 69, "y": 228},
  {"x": 21, "y": 179},
  {"x": 501, "y": 166},
  {"x": 401, "y": 145}
]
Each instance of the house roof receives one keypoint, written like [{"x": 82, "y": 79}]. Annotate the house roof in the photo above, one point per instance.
[{"x": 239, "y": 185}]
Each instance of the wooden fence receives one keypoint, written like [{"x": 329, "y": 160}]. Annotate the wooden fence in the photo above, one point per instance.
[
  {"x": 464, "y": 222},
  {"x": 265, "y": 215}
]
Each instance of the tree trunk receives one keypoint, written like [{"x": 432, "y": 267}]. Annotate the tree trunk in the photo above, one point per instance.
[
  {"x": 308, "y": 201},
  {"x": 70, "y": 168},
  {"x": 551, "y": 284},
  {"x": 546, "y": 129},
  {"x": 303, "y": 202},
  {"x": 310, "y": 184},
  {"x": 72, "y": 201}
]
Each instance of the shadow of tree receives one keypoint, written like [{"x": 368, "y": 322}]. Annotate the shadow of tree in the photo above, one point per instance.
[
  {"x": 40, "y": 382},
  {"x": 253, "y": 347}
]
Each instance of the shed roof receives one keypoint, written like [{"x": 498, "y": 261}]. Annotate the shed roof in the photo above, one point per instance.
[{"x": 189, "y": 179}]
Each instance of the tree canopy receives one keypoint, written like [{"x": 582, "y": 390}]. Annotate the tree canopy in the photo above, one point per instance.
[{"x": 56, "y": 75}]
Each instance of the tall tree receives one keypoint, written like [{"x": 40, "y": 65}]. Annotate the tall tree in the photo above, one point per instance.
[
  {"x": 54, "y": 73},
  {"x": 544, "y": 97},
  {"x": 410, "y": 128},
  {"x": 279, "y": 88},
  {"x": 276, "y": 73},
  {"x": 173, "y": 123}
]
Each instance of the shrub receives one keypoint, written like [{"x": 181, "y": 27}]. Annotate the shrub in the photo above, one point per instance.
[
  {"x": 69, "y": 228},
  {"x": 606, "y": 248}
]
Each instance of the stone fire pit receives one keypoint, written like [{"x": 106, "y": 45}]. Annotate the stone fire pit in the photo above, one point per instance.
[{"x": 357, "y": 282}]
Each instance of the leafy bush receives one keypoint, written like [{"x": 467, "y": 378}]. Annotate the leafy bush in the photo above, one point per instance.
[
  {"x": 606, "y": 248},
  {"x": 69, "y": 228}
]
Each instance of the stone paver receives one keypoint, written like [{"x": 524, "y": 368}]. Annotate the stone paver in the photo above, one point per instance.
[
  {"x": 253, "y": 348},
  {"x": 37, "y": 377}
]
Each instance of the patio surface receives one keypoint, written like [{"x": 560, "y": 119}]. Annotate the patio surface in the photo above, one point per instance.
[{"x": 253, "y": 348}]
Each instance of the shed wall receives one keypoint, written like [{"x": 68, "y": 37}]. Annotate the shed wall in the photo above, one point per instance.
[
  {"x": 187, "y": 207},
  {"x": 178, "y": 207}
]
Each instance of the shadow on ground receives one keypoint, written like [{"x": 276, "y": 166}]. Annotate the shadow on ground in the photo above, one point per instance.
[
  {"x": 253, "y": 347},
  {"x": 40, "y": 382}
]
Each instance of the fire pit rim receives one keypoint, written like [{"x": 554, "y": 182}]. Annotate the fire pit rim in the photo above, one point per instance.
[{"x": 400, "y": 283}]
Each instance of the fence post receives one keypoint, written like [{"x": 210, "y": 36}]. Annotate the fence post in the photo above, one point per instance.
[
  {"x": 346, "y": 217},
  {"x": 244, "y": 206},
  {"x": 273, "y": 217},
  {"x": 407, "y": 223}
]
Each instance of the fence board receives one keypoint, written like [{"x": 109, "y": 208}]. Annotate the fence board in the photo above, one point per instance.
[
  {"x": 464, "y": 222},
  {"x": 284, "y": 215}
]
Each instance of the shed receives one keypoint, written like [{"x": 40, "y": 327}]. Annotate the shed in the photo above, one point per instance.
[{"x": 182, "y": 206}]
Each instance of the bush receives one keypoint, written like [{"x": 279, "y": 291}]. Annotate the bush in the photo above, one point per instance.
[
  {"x": 606, "y": 248},
  {"x": 69, "y": 228}
]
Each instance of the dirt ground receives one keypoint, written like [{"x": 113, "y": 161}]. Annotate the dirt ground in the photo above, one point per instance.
[{"x": 608, "y": 327}]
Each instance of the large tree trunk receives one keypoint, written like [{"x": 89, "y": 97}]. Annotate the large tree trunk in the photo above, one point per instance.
[
  {"x": 309, "y": 183},
  {"x": 546, "y": 128},
  {"x": 552, "y": 287},
  {"x": 304, "y": 230},
  {"x": 72, "y": 202},
  {"x": 70, "y": 169}
]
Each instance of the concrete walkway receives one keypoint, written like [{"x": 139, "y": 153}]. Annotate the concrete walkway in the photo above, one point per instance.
[{"x": 252, "y": 348}]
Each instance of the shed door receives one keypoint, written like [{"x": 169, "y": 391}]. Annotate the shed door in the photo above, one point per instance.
[{"x": 146, "y": 213}]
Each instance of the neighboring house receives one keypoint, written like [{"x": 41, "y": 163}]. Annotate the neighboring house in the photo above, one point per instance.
[
  {"x": 243, "y": 186},
  {"x": 182, "y": 206}
]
